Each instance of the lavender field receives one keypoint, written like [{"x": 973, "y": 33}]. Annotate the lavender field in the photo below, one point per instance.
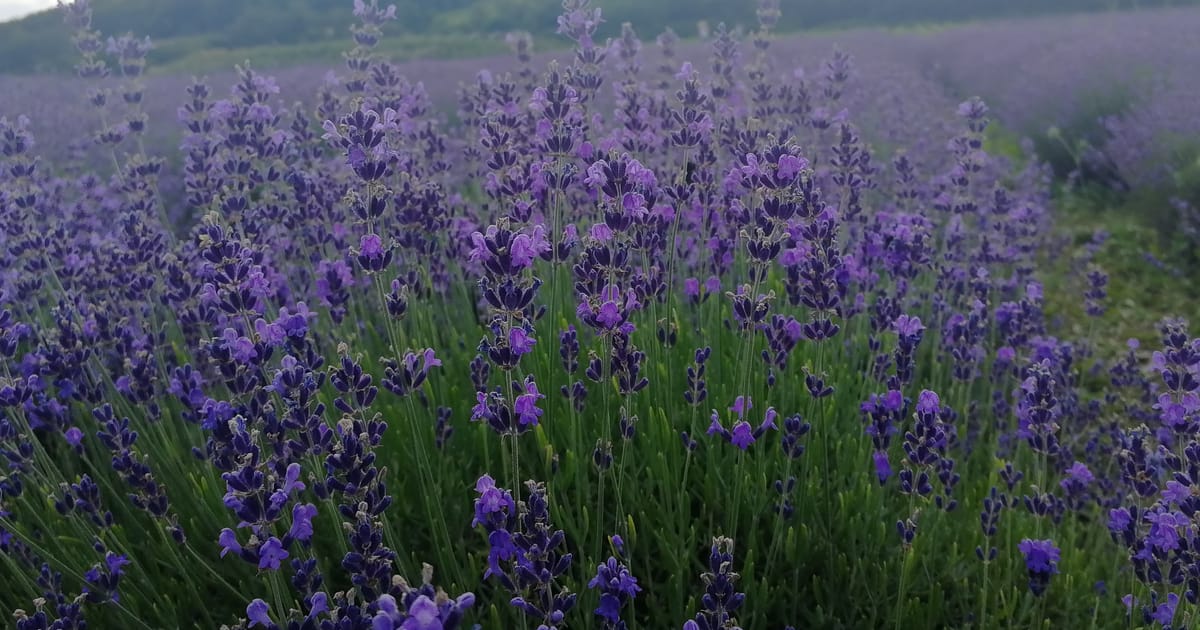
[{"x": 868, "y": 328}]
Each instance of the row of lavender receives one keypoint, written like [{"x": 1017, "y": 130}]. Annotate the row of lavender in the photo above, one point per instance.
[
  {"x": 659, "y": 347},
  {"x": 1122, "y": 74}
]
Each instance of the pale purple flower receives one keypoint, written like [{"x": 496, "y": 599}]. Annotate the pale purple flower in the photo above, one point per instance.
[
  {"x": 883, "y": 468},
  {"x": 790, "y": 166},
  {"x": 271, "y": 554},
  {"x": 526, "y": 404},
  {"x": 928, "y": 402},
  {"x": 257, "y": 614},
  {"x": 601, "y": 232},
  {"x": 1165, "y": 612},
  {"x": 526, "y": 247},
  {"x": 302, "y": 516},
  {"x": 520, "y": 341},
  {"x": 908, "y": 326},
  {"x": 229, "y": 542},
  {"x": 742, "y": 435},
  {"x": 741, "y": 405},
  {"x": 422, "y": 615},
  {"x": 609, "y": 315},
  {"x": 370, "y": 245}
]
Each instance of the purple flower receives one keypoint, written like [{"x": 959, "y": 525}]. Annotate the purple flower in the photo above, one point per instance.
[
  {"x": 479, "y": 248},
  {"x": 257, "y": 613},
  {"x": 492, "y": 500},
  {"x": 431, "y": 359},
  {"x": 1033, "y": 291},
  {"x": 526, "y": 404},
  {"x": 1165, "y": 612},
  {"x": 1164, "y": 534},
  {"x": 928, "y": 403},
  {"x": 601, "y": 232},
  {"x": 634, "y": 204},
  {"x": 908, "y": 326},
  {"x": 638, "y": 174},
  {"x": 302, "y": 516},
  {"x": 1176, "y": 492},
  {"x": 423, "y": 614},
  {"x": 1078, "y": 474},
  {"x": 743, "y": 434},
  {"x": 526, "y": 247},
  {"x": 1041, "y": 561},
  {"x": 741, "y": 405},
  {"x": 1119, "y": 520},
  {"x": 790, "y": 166},
  {"x": 1041, "y": 556},
  {"x": 319, "y": 603},
  {"x": 520, "y": 341},
  {"x": 356, "y": 157},
  {"x": 238, "y": 347},
  {"x": 271, "y": 554},
  {"x": 273, "y": 334},
  {"x": 609, "y": 315},
  {"x": 769, "y": 419},
  {"x": 596, "y": 177},
  {"x": 115, "y": 562},
  {"x": 370, "y": 245},
  {"x": 883, "y": 468},
  {"x": 714, "y": 427},
  {"x": 752, "y": 167},
  {"x": 74, "y": 436},
  {"x": 617, "y": 586},
  {"x": 229, "y": 542},
  {"x": 480, "y": 411},
  {"x": 713, "y": 284},
  {"x": 291, "y": 483}
]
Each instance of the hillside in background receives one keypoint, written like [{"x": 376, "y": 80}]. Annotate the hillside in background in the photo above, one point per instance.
[{"x": 206, "y": 34}]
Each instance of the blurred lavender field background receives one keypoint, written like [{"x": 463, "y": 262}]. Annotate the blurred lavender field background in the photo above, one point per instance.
[
  {"x": 1104, "y": 94},
  {"x": 709, "y": 315}
]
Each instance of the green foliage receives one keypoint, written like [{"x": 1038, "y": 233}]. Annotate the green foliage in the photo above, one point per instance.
[
  {"x": 1142, "y": 289},
  {"x": 840, "y": 550},
  {"x": 999, "y": 141}
]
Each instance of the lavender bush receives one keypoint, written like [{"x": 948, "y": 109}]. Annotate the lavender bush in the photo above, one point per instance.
[{"x": 632, "y": 341}]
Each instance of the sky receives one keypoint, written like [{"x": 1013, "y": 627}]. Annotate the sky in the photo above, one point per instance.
[{"x": 12, "y": 9}]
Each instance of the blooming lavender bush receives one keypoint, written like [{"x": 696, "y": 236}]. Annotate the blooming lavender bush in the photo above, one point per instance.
[{"x": 627, "y": 344}]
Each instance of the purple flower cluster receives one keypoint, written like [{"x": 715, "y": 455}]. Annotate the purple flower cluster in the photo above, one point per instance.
[
  {"x": 527, "y": 556},
  {"x": 721, "y": 598},
  {"x": 1041, "y": 560},
  {"x": 202, "y": 342}
]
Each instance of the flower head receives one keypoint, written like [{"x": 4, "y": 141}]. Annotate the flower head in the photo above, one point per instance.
[
  {"x": 1041, "y": 561},
  {"x": 526, "y": 404},
  {"x": 271, "y": 554},
  {"x": 258, "y": 614},
  {"x": 302, "y": 516},
  {"x": 520, "y": 341}
]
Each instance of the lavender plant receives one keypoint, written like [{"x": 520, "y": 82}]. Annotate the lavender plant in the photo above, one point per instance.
[{"x": 265, "y": 401}]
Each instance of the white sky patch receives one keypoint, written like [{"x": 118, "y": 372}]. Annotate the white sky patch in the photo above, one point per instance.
[{"x": 13, "y": 9}]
